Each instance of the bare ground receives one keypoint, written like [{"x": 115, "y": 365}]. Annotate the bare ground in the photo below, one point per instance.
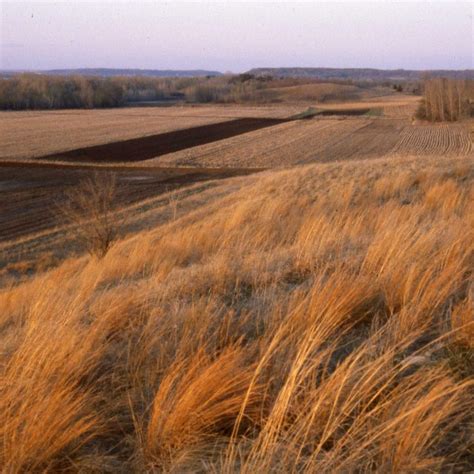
[{"x": 30, "y": 193}]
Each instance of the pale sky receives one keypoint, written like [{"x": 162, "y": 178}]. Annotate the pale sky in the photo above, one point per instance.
[{"x": 236, "y": 36}]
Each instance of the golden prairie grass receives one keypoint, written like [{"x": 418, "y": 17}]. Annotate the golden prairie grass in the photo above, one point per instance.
[{"x": 317, "y": 320}]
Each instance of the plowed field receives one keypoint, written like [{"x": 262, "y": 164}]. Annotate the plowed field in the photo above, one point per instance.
[
  {"x": 30, "y": 194},
  {"x": 144, "y": 148},
  {"x": 327, "y": 139},
  {"x": 445, "y": 139},
  {"x": 26, "y": 135}
]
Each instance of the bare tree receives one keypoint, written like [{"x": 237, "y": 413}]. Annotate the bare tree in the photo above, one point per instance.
[
  {"x": 89, "y": 208},
  {"x": 446, "y": 99},
  {"x": 440, "y": 95},
  {"x": 452, "y": 109},
  {"x": 460, "y": 90},
  {"x": 173, "y": 200}
]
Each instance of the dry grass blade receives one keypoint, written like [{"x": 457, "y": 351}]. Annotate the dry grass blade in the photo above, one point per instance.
[{"x": 199, "y": 400}]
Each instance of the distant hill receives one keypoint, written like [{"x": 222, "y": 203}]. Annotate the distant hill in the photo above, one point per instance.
[
  {"x": 109, "y": 72},
  {"x": 359, "y": 74}
]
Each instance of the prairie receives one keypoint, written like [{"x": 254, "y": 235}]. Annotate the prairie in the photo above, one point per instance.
[{"x": 314, "y": 319}]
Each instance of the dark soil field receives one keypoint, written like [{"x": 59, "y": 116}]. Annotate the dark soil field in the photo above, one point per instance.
[
  {"x": 144, "y": 148},
  {"x": 31, "y": 193}
]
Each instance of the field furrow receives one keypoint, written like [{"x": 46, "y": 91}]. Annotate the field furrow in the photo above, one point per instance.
[{"x": 429, "y": 139}]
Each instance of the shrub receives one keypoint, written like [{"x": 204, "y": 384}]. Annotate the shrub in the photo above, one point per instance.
[{"x": 89, "y": 208}]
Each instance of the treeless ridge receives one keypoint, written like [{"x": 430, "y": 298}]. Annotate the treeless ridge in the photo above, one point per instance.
[{"x": 404, "y": 106}]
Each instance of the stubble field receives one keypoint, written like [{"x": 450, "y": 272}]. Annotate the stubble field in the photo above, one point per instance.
[
  {"x": 26, "y": 135},
  {"x": 328, "y": 139}
]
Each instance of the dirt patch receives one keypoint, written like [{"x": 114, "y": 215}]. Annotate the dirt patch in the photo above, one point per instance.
[
  {"x": 145, "y": 148},
  {"x": 30, "y": 193}
]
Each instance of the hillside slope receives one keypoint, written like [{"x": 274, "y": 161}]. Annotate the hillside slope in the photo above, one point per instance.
[
  {"x": 301, "y": 322},
  {"x": 111, "y": 72},
  {"x": 360, "y": 73}
]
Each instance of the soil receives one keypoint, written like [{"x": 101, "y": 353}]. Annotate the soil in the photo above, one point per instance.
[
  {"x": 30, "y": 193},
  {"x": 145, "y": 148}
]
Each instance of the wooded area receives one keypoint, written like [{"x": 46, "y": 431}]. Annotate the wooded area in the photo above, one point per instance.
[
  {"x": 447, "y": 99},
  {"x": 35, "y": 91},
  {"x": 42, "y": 91}
]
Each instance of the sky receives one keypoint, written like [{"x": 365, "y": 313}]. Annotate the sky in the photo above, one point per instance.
[{"x": 236, "y": 36}]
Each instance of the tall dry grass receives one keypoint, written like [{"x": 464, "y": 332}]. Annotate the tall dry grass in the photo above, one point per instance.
[{"x": 318, "y": 320}]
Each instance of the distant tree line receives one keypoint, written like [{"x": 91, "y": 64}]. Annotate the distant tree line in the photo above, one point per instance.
[
  {"x": 369, "y": 74},
  {"x": 31, "y": 91},
  {"x": 41, "y": 91},
  {"x": 446, "y": 99},
  {"x": 37, "y": 91}
]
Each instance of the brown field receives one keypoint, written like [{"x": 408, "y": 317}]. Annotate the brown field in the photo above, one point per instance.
[
  {"x": 301, "y": 91},
  {"x": 314, "y": 92},
  {"x": 403, "y": 105},
  {"x": 445, "y": 139},
  {"x": 32, "y": 134},
  {"x": 30, "y": 193},
  {"x": 26, "y": 135},
  {"x": 145, "y": 148},
  {"x": 327, "y": 139},
  {"x": 316, "y": 318}
]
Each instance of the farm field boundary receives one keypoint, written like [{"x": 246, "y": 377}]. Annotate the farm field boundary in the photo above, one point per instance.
[{"x": 145, "y": 148}]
